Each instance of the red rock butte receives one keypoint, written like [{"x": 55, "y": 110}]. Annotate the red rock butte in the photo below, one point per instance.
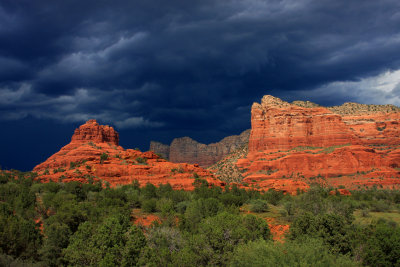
[
  {"x": 294, "y": 145},
  {"x": 92, "y": 131},
  {"x": 94, "y": 154}
]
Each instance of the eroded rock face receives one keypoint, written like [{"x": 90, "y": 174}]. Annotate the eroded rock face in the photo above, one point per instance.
[
  {"x": 294, "y": 145},
  {"x": 279, "y": 125},
  {"x": 186, "y": 149},
  {"x": 92, "y": 131},
  {"x": 94, "y": 154}
]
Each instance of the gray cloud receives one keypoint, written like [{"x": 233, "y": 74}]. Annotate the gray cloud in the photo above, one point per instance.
[{"x": 79, "y": 106}]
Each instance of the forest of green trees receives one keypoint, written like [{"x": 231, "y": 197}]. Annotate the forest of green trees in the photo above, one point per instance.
[{"x": 75, "y": 224}]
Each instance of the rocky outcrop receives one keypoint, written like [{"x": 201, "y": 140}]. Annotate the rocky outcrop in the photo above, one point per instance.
[
  {"x": 92, "y": 131},
  {"x": 350, "y": 108},
  {"x": 377, "y": 126},
  {"x": 187, "y": 150},
  {"x": 279, "y": 125},
  {"x": 226, "y": 169},
  {"x": 94, "y": 155},
  {"x": 294, "y": 145},
  {"x": 305, "y": 104}
]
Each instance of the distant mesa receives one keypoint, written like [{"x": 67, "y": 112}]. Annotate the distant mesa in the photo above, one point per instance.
[
  {"x": 94, "y": 155},
  {"x": 185, "y": 149}
]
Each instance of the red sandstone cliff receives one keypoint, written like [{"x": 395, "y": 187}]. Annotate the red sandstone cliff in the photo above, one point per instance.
[
  {"x": 279, "y": 125},
  {"x": 94, "y": 154},
  {"x": 92, "y": 131},
  {"x": 186, "y": 149},
  {"x": 293, "y": 145}
]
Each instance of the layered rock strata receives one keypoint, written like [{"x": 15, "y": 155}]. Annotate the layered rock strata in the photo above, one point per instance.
[{"x": 294, "y": 145}]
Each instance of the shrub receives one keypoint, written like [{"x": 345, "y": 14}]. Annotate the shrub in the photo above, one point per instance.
[
  {"x": 223, "y": 232},
  {"x": 163, "y": 244},
  {"x": 310, "y": 252},
  {"x": 230, "y": 199},
  {"x": 111, "y": 243},
  {"x": 160, "y": 155},
  {"x": 141, "y": 160},
  {"x": 365, "y": 213},
  {"x": 103, "y": 157},
  {"x": 380, "y": 206},
  {"x": 258, "y": 205},
  {"x": 58, "y": 170},
  {"x": 149, "y": 205},
  {"x": 166, "y": 206},
  {"x": 273, "y": 196},
  {"x": 181, "y": 206},
  {"x": 178, "y": 170},
  {"x": 61, "y": 178},
  {"x": 73, "y": 165},
  {"x": 149, "y": 191},
  {"x": 330, "y": 227},
  {"x": 383, "y": 247}
]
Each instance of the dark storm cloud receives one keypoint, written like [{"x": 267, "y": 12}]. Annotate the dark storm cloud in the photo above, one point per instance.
[{"x": 193, "y": 65}]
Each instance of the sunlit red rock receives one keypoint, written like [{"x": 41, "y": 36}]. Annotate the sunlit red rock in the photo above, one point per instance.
[
  {"x": 92, "y": 131},
  {"x": 294, "y": 145},
  {"x": 276, "y": 124},
  {"x": 291, "y": 146},
  {"x": 340, "y": 191},
  {"x": 84, "y": 160}
]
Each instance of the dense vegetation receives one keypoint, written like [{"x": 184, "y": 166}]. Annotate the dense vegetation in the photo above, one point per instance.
[{"x": 74, "y": 224}]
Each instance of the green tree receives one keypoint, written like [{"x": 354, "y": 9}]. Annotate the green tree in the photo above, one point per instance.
[
  {"x": 56, "y": 239},
  {"x": 134, "y": 244},
  {"x": 149, "y": 205},
  {"x": 80, "y": 251},
  {"x": 113, "y": 242},
  {"x": 19, "y": 237},
  {"x": 382, "y": 247},
  {"x": 258, "y": 205},
  {"x": 309, "y": 252},
  {"x": 331, "y": 228},
  {"x": 222, "y": 233},
  {"x": 163, "y": 244}
]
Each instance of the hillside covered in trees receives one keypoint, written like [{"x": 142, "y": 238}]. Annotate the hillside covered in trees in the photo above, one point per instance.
[{"x": 77, "y": 224}]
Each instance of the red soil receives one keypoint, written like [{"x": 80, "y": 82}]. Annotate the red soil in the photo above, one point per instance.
[
  {"x": 278, "y": 231},
  {"x": 147, "y": 220},
  {"x": 340, "y": 191}
]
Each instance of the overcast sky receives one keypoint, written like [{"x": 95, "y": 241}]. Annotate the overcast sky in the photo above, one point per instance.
[{"x": 156, "y": 69}]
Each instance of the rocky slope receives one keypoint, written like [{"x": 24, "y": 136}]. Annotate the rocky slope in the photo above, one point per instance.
[
  {"x": 226, "y": 169},
  {"x": 186, "y": 149},
  {"x": 94, "y": 154},
  {"x": 294, "y": 145}
]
